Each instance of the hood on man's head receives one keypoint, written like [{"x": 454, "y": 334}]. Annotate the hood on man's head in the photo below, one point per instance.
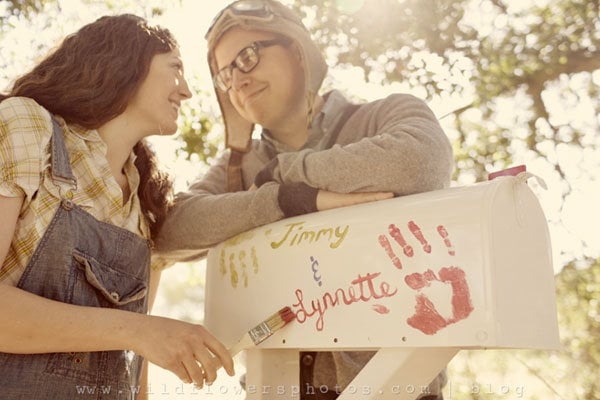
[{"x": 268, "y": 16}]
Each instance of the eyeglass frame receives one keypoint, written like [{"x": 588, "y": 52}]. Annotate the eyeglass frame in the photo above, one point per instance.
[{"x": 219, "y": 82}]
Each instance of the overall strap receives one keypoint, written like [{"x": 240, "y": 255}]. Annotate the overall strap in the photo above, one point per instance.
[{"x": 61, "y": 165}]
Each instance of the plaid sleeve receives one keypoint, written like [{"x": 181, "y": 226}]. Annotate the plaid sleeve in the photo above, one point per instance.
[{"x": 25, "y": 131}]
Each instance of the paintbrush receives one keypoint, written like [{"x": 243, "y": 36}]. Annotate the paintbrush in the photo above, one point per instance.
[{"x": 262, "y": 331}]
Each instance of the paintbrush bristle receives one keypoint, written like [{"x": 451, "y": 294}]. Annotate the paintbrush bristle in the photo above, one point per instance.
[{"x": 271, "y": 325}]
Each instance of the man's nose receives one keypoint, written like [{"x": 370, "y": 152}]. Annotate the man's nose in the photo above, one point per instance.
[{"x": 239, "y": 79}]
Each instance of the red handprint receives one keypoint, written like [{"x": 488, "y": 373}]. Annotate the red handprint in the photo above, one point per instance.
[
  {"x": 414, "y": 228},
  {"x": 407, "y": 249},
  {"x": 397, "y": 235},
  {"x": 426, "y": 318},
  {"x": 385, "y": 243},
  {"x": 444, "y": 234}
]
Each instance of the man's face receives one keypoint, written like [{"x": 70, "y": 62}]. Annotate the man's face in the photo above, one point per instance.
[{"x": 274, "y": 89}]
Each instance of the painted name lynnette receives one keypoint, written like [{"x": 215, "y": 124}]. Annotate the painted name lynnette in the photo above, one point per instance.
[
  {"x": 426, "y": 317},
  {"x": 362, "y": 289}
]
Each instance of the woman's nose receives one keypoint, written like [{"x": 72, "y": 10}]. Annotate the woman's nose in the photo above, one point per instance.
[{"x": 184, "y": 89}]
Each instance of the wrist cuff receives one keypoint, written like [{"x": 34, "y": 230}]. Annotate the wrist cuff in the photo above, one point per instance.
[{"x": 297, "y": 199}]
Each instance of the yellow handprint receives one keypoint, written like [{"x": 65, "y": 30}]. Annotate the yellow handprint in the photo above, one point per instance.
[{"x": 232, "y": 258}]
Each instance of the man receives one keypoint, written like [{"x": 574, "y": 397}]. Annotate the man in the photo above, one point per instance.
[{"x": 316, "y": 151}]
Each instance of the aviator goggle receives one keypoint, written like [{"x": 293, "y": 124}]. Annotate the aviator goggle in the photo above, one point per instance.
[{"x": 260, "y": 10}]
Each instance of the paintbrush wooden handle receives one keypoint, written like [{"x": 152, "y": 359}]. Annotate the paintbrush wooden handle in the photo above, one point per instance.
[
  {"x": 244, "y": 343},
  {"x": 260, "y": 332}
]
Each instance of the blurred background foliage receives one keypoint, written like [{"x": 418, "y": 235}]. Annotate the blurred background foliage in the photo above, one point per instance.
[{"x": 517, "y": 81}]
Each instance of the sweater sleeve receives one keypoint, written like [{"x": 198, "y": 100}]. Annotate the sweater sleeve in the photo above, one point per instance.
[
  {"x": 394, "y": 144},
  {"x": 207, "y": 214}
]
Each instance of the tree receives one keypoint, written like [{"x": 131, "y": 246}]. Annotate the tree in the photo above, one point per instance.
[{"x": 578, "y": 289}]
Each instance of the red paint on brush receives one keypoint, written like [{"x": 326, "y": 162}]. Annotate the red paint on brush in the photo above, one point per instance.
[{"x": 287, "y": 314}]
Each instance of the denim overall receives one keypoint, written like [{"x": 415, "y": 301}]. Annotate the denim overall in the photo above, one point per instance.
[{"x": 82, "y": 261}]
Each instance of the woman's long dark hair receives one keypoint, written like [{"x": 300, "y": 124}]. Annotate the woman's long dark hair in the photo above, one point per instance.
[{"x": 91, "y": 77}]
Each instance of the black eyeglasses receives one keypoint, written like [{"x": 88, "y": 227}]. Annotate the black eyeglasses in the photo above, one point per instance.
[{"x": 246, "y": 60}]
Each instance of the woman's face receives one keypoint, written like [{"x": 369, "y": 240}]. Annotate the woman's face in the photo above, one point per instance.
[
  {"x": 274, "y": 89},
  {"x": 155, "y": 105}
]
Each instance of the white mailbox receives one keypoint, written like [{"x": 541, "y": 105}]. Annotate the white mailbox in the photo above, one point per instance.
[{"x": 414, "y": 276}]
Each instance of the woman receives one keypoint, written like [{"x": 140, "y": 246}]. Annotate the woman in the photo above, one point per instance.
[{"x": 81, "y": 198}]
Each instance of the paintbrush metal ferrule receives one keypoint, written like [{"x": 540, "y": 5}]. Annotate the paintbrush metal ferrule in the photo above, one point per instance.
[
  {"x": 260, "y": 333},
  {"x": 271, "y": 325}
]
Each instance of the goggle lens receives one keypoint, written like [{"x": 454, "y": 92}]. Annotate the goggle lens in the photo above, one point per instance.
[{"x": 253, "y": 8}]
